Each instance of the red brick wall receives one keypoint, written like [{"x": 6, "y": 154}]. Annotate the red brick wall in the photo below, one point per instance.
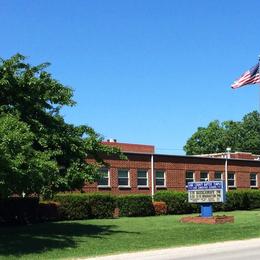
[
  {"x": 239, "y": 155},
  {"x": 134, "y": 148},
  {"x": 175, "y": 168}
]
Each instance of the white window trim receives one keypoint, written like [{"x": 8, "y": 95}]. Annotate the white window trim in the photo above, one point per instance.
[
  {"x": 193, "y": 177},
  {"x": 221, "y": 178},
  {"x": 256, "y": 180},
  {"x": 206, "y": 179},
  {"x": 128, "y": 177},
  {"x": 147, "y": 182},
  {"x": 106, "y": 186},
  {"x": 235, "y": 181},
  {"x": 164, "y": 177}
]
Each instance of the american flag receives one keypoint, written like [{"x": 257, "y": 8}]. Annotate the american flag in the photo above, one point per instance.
[{"x": 249, "y": 77}]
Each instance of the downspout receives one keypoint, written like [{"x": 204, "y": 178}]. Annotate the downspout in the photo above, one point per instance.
[
  {"x": 226, "y": 166},
  {"x": 226, "y": 173},
  {"x": 152, "y": 176}
]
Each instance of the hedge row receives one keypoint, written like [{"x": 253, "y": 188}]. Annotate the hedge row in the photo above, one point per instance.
[
  {"x": 103, "y": 206},
  {"x": 86, "y": 206},
  {"x": 73, "y": 206},
  {"x": 177, "y": 202},
  {"x": 240, "y": 200},
  {"x": 135, "y": 205}
]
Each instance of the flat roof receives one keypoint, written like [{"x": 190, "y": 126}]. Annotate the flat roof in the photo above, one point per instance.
[{"x": 193, "y": 157}]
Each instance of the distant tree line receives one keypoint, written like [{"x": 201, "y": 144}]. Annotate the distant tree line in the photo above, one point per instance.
[{"x": 241, "y": 136}]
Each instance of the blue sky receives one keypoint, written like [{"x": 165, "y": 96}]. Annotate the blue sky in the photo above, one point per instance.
[{"x": 143, "y": 71}]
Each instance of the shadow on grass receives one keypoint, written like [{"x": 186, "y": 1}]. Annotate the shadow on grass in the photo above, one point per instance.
[{"x": 19, "y": 241}]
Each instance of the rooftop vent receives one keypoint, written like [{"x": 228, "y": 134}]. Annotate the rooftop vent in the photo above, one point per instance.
[{"x": 111, "y": 140}]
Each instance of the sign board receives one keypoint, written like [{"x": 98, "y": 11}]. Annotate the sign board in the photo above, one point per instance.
[{"x": 206, "y": 192}]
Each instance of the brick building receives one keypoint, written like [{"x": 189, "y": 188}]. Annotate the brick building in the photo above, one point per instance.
[{"x": 147, "y": 172}]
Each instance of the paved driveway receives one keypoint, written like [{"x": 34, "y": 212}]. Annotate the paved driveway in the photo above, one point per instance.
[{"x": 243, "y": 249}]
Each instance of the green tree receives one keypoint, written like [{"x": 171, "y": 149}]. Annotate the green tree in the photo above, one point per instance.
[
  {"x": 22, "y": 168},
  {"x": 39, "y": 152},
  {"x": 241, "y": 136},
  {"x": 250, "y": 133}
]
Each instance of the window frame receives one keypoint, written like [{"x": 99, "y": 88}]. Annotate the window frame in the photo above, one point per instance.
[
  {"x": 235, "y": 183},
  {"x": 147, "y": 179},
  {"x": 108, "y": 179},
  {"x": 128, "y": 178},
  {"x": 256, "y": 180},
  {"x": 221, "y": 174},
  {"x": 193, "y": 177},
  {"x": 164, "y": 179},
  {"x": 204, "y": 179}
]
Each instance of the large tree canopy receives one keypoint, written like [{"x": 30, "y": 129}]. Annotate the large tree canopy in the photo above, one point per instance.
[
  {"x": 241, "y": 136},
  {"x": 39, "y": 152}
]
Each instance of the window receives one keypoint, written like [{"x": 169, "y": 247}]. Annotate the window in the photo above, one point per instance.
[
  {"x": 160, "y": 178},
  {"x": 204, "y": 176},
  {"x": 189, "y": 177},
  {"x": 231, "y": 179},
  {"x": 104, "y": 177},
  {"x": 123, "y": 178},
  {"x": 218, "y": 176},
  {"x": 142, "y": 179},
  {"x": 253, "y": 180}
]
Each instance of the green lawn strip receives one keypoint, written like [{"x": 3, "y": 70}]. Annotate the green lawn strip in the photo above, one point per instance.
[{"x": 109, "y": 236}]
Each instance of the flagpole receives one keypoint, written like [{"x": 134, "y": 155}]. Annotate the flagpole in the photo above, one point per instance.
[{"x": 259, "y": 83}]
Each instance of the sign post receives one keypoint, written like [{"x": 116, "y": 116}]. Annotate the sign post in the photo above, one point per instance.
[
  {"x": 206, "y": 193},
  {"x": 206, "y": 210}
]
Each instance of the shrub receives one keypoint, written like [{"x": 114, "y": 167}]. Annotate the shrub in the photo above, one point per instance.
[
  {"x": 234, "y": 201},
  {"x": 73, "y": 206},
  {"x": 102, "y": 205},
  {"x": 177, "y": 202},
  {"x": 254, "y": 199},
  {"x": 85, "y": 206},
  {"x": 17, "y": 210},
  {"x": 135, "y": 205},
  {"x": 218, "y": 207},
  {"x": 48, "y": 211},
  {"x": 242, "y": 199},
  {"x": 160, "y": 208}
]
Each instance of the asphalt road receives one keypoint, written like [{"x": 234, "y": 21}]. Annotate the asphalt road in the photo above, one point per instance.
[{"x": 242, "y": 249}]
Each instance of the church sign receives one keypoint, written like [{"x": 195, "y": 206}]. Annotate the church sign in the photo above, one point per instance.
[{"x": 206, "y": 192}]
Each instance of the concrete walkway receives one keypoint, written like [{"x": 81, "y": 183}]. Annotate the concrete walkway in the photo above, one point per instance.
[{"x": 241, "y": 249}]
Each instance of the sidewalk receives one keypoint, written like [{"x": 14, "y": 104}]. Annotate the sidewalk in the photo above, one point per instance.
[{"x": 221, "y": 250}]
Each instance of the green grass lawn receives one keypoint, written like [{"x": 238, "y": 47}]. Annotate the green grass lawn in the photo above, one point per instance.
[{"x": 70, "y": 239}]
